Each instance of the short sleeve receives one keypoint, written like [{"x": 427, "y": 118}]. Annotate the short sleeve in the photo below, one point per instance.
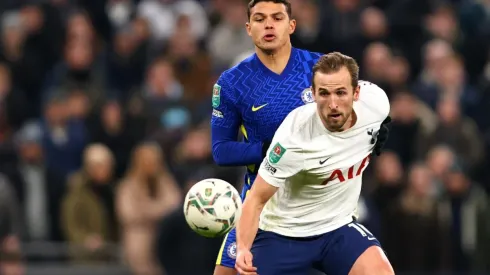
[
  {"x": 284, "y": 157},
  {"x": 283, "y": 160},
  {"x": 224, "y": 101},
  {"x": 375, "y": 96}
]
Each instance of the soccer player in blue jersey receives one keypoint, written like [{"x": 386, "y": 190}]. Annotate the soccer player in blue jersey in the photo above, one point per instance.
[{"x": 256, "y": 95}]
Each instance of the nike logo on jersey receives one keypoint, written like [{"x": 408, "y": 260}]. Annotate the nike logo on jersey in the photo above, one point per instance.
[
  {"x": 255, "y": 109},
  {"x": 323, "y": 161}
]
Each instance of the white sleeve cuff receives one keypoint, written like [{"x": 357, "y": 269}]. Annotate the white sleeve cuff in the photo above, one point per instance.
[{"x": 271, "y": 179}]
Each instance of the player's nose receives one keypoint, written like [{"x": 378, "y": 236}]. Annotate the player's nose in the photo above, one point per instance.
[
  {"x": 332, "y": 103},
  {"x": 269, "y": 24}
]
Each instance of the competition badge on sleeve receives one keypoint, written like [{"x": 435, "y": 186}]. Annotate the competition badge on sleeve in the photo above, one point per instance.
[
  {"x": 216, "y": 95},
  {"x": 276, "y": 153}
]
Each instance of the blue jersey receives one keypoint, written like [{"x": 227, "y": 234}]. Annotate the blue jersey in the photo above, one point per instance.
[{"x": 254, "y": 100}]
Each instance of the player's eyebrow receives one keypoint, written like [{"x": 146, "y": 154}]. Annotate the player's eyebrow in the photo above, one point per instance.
[
  {"x": 341, "y": 88},
  {"x": 264, "y": 15}
]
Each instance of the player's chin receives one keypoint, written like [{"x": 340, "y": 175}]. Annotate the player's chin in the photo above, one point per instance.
[
  {"x": 335, "y": 124},
  {"x": 269, "y": 45}
]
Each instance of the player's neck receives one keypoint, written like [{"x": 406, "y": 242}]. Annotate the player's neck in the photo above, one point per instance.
[
  {"x": 351, "y": 121},
  {"x": 275, "y": 61}
]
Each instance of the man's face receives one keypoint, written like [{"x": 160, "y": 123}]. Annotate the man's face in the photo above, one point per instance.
[
  {"x": 150, "y": 162},
  {"x": 160, "y": 76},
  {"x": 270, "y": 26},
  {"x": 100, "y": 172},
  {"x": 31, "y": 152},
  {"x": 335, "y": 97}
]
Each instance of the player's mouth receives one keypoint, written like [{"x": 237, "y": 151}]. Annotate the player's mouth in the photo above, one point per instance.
[
  {"x": 334, "y": 116},
  {"x": 269, "y": 37}
]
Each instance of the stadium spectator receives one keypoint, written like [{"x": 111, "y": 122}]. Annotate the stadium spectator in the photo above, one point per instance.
[
  {"x": 415, "y": 240},
  {"x": 88, "y": 216},
  {"x": 465, "y": 207},
  {"x": 10, "y": 227},
  {"x": 118, "y": 131},
  {"x": 229, "y": 38},
  {"x": 39, "y": 187},
  {"x": 147, "y": 194},
  {"x": 64, "y": 137}
]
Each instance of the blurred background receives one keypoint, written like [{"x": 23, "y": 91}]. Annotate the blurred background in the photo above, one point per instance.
[{"x": 104, "y": 125}]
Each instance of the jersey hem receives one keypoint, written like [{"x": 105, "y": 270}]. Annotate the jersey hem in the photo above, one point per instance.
[{"x": 288, "y": 233}]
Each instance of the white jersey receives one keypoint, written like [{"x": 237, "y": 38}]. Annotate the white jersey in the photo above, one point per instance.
[{"x": 318, "y": 172}]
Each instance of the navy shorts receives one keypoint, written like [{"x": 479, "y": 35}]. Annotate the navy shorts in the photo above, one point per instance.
[
  {"x": 227, "y": 253},
  {"x": 333, "y": 253}
]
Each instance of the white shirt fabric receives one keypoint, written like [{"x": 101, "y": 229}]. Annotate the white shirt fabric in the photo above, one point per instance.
[{"x": 318, "y": 172}]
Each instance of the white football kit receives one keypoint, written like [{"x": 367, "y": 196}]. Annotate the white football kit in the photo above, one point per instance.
[{"x": 318, "y": 172}]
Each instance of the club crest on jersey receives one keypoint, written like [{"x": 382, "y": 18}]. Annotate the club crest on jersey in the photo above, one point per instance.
[
  {"x": 217, "y": 113},
  {"x": 307, "y": 96},
  {"x": 216, "y": 95},
  {"x": 276, "y": 153},
  {"x": 231, "y": 251}
]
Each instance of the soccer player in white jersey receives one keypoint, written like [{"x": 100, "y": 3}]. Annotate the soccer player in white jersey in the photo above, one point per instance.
[{"x": 300, "y": 212}]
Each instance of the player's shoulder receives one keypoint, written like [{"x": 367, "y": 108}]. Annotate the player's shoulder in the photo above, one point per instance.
[
  {"x": 374, "y": 99},
  {"x": 306, "y": 55},
  {"x": 238, "y": 71},
  {"x": 303, "y": 113},
  {"x": 297, "y": 120},
  {"x": 307, "y": 59},
  {"x": 230, "y": 78}
]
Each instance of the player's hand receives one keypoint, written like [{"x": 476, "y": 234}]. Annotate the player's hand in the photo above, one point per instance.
[
  {"x": 382, "y": 136},
  {"x": 243, "y": 263}
]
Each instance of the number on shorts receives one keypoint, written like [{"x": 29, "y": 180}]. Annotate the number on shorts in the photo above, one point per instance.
[{"x": 362, "y": 230}]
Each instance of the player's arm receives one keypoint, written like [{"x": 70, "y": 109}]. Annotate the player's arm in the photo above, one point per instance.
[
  {"x": 258, "y": 196},
  {"x": 379, "y": 100},
  {"x": 225, "y": 123},
  {"x": 283, "y": 161}
]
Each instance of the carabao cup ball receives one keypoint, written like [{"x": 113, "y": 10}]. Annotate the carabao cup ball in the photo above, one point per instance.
[{"x": 212, "y": 207}]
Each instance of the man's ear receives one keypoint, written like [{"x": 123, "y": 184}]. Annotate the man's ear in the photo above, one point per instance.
[
  {"x": 357, "y": 91},
  {"x": 248, "y": 28},
  {"x": 292, "y": 26},
  {"x": 313, "y": 93}
]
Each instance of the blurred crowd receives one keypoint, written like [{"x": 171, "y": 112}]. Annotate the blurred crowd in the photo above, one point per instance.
[{"x": 104, "y": 125}]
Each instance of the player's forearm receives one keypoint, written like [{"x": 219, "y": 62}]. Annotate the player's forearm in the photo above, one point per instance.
[
  {"x": 229, "y": 152},
  {"x": 248, "y": 223},
  {"x": 233, "y": 153}
]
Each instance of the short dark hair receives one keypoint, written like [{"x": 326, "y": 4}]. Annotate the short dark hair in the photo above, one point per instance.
[
  {"x": 252, "y": 4},
  {"x": 333, "y": 62}
]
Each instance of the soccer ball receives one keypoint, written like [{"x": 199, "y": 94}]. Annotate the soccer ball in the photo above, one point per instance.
[{"x": 212, "y": 207}]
